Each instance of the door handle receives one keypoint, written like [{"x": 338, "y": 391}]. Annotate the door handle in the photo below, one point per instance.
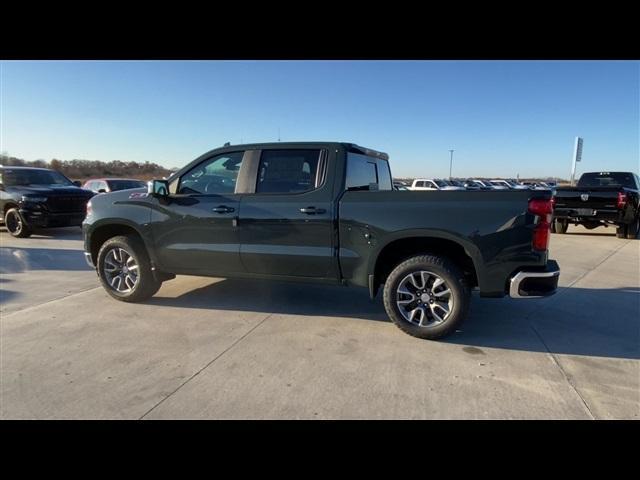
[
  {"x": 223, "y": 209},
  {"x": 312, "y": 210}
]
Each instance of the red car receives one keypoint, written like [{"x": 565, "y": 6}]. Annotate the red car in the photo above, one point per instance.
[{"x": 106, "y": 185}]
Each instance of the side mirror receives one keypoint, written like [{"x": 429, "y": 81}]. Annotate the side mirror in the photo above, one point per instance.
[
  {"x": 77, "y": 183},
  {"x": 158, "y": 188},
  {"x": 102, "y": 190}
]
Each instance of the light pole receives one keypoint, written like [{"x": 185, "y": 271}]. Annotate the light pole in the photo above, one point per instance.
[{"x": 450, "y": 163}]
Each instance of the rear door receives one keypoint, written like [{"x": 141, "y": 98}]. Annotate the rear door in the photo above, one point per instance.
[{"x": 286, "y": 218}]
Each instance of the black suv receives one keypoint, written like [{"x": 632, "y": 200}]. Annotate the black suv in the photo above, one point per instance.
[{"x": 39, "y": 198}]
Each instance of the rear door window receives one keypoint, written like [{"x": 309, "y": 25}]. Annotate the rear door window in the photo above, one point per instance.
[{"x": 288, "y": 171}]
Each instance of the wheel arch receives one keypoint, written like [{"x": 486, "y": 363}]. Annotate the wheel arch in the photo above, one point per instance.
[
  {"x": 408, "y": 244},
  {"x": 103, "y": 231}
]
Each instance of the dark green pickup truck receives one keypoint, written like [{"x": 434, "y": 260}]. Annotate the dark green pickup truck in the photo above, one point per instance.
[{"x": 324, "y": 212}]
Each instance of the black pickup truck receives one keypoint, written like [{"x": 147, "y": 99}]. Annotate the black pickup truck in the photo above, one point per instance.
[
  {"x": 32, "y": 198},
  {"x": 600, "y": 198},
  {"x": 327, "y": 213}
]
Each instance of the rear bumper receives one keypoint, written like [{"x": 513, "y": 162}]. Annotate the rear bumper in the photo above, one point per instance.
[
  {"x": 535, "y": 283},
  {"x": 599, "y": 215}
]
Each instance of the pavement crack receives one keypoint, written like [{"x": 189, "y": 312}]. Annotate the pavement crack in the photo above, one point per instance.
[
  {"x": 207, "y": 365},
  {"x": 564, "y": 374},
  {"x": 563, "y": 290}
]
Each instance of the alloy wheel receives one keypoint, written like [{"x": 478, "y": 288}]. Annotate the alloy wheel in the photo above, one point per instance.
[{"x": 424, "y": 299}]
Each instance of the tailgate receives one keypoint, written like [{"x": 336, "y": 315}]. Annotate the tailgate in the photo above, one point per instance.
[{"x": 587, "y": 198}]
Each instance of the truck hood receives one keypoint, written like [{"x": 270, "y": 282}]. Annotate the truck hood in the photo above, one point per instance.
[{"x": 49, "y": 190}]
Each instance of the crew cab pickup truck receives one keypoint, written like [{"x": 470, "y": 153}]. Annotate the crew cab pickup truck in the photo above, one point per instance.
[
  {"x": 326, "y": 213},
  {"x": 32, "y": 198},
  {"x": 600, "y": 198}
]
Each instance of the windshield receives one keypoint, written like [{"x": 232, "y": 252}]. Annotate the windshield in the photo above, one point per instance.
[
  {"x": 125, "y": 184},
  {"x": 20, "y": 177},
  {"x": 440, "y": 183},
  {"x": 606, "y": 179}
]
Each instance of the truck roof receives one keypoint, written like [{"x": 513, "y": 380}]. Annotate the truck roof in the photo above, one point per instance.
[{"x": 352, "y": 147}]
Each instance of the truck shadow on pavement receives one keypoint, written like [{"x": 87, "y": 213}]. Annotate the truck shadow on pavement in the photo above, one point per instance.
[
  {"x": 67, "y": 233},
  {"x": 18, "y": 260},
  {"x": 576, "y": 321}
]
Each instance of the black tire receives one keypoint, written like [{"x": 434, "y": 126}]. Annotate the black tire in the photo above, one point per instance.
[
  {"x": 455, "y": 282},
  {"x": 560, "y": 226},
  {"x": 621, "y": 231},
  {"x": 633, "y": 229},
  {"x": 15, "y": 224},
  {"x": 146, "y": 284}
]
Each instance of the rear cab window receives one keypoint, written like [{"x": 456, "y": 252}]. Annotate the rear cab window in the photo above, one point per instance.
[
  {"x": 607, "y": 179},
  {"x": 367, "y": 173}
]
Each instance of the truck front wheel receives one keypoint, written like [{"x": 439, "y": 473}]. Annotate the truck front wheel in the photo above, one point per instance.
[
  {"x": 125, "y": 270},
  {"x": 560, "y": 226},
  {"x": 15, "y": 224},
  {"x": 427, "y": 296}
]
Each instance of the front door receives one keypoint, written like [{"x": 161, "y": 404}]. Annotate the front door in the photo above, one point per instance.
[
  {"x": 194, "y": 230},
  {"x": 286, "y": 223}
]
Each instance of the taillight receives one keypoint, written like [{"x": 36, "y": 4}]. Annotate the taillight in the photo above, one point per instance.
[
  {"x": 543, "y": 209},
  {"x": 89, "y": 208},
  {"x": 622, "y": 200}
]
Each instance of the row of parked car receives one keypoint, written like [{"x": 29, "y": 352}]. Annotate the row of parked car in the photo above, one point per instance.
[
  {"x": 472, "y": 184},
  {"x": 32, "y": 198}
]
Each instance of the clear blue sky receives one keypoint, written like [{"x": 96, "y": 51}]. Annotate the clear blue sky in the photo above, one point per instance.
[{"x": 502, "y": 117}]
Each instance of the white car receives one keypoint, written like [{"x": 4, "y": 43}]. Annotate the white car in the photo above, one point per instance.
[
  {"x": 509, "y": 185},
  {"x": 431, "y": 184}
]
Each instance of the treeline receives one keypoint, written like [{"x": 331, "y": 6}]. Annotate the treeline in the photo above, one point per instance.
[{"x": 84, "y": 169}]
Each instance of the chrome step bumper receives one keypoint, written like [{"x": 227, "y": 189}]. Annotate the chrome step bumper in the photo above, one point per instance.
[{"x": 535, "y": 284}]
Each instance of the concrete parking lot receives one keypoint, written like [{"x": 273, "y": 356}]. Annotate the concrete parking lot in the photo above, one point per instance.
[{"x": 217, "y": 349}]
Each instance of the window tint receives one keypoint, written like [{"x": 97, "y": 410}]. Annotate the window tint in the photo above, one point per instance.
[
  {"x": 216, "y": 175},
  {"x": 115, "y": 185},
  {"x": 20, "y": 177},
  {"x": 287, "y": 171},
  {"x": 606, "y": 179},
  {"x": 361, "y": 172},
  {"x": 384, "y": 176}
]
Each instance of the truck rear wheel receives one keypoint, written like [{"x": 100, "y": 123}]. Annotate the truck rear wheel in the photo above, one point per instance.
[
  {"x": 125, "y": 270},
  {"x": 427, "y": 296},
  {"x": 560, "y": 226},
  {"x": 15, "y": 224},
  {"x": 633, "y": 228}
]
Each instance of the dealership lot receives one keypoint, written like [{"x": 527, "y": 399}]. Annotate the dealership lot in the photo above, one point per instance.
[{"x": 215, "y": 348}]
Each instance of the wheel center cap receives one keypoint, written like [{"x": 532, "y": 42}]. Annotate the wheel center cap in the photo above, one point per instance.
[
  {"x": 125, "y": 269},
  {"x": 425, "y": 297}
]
